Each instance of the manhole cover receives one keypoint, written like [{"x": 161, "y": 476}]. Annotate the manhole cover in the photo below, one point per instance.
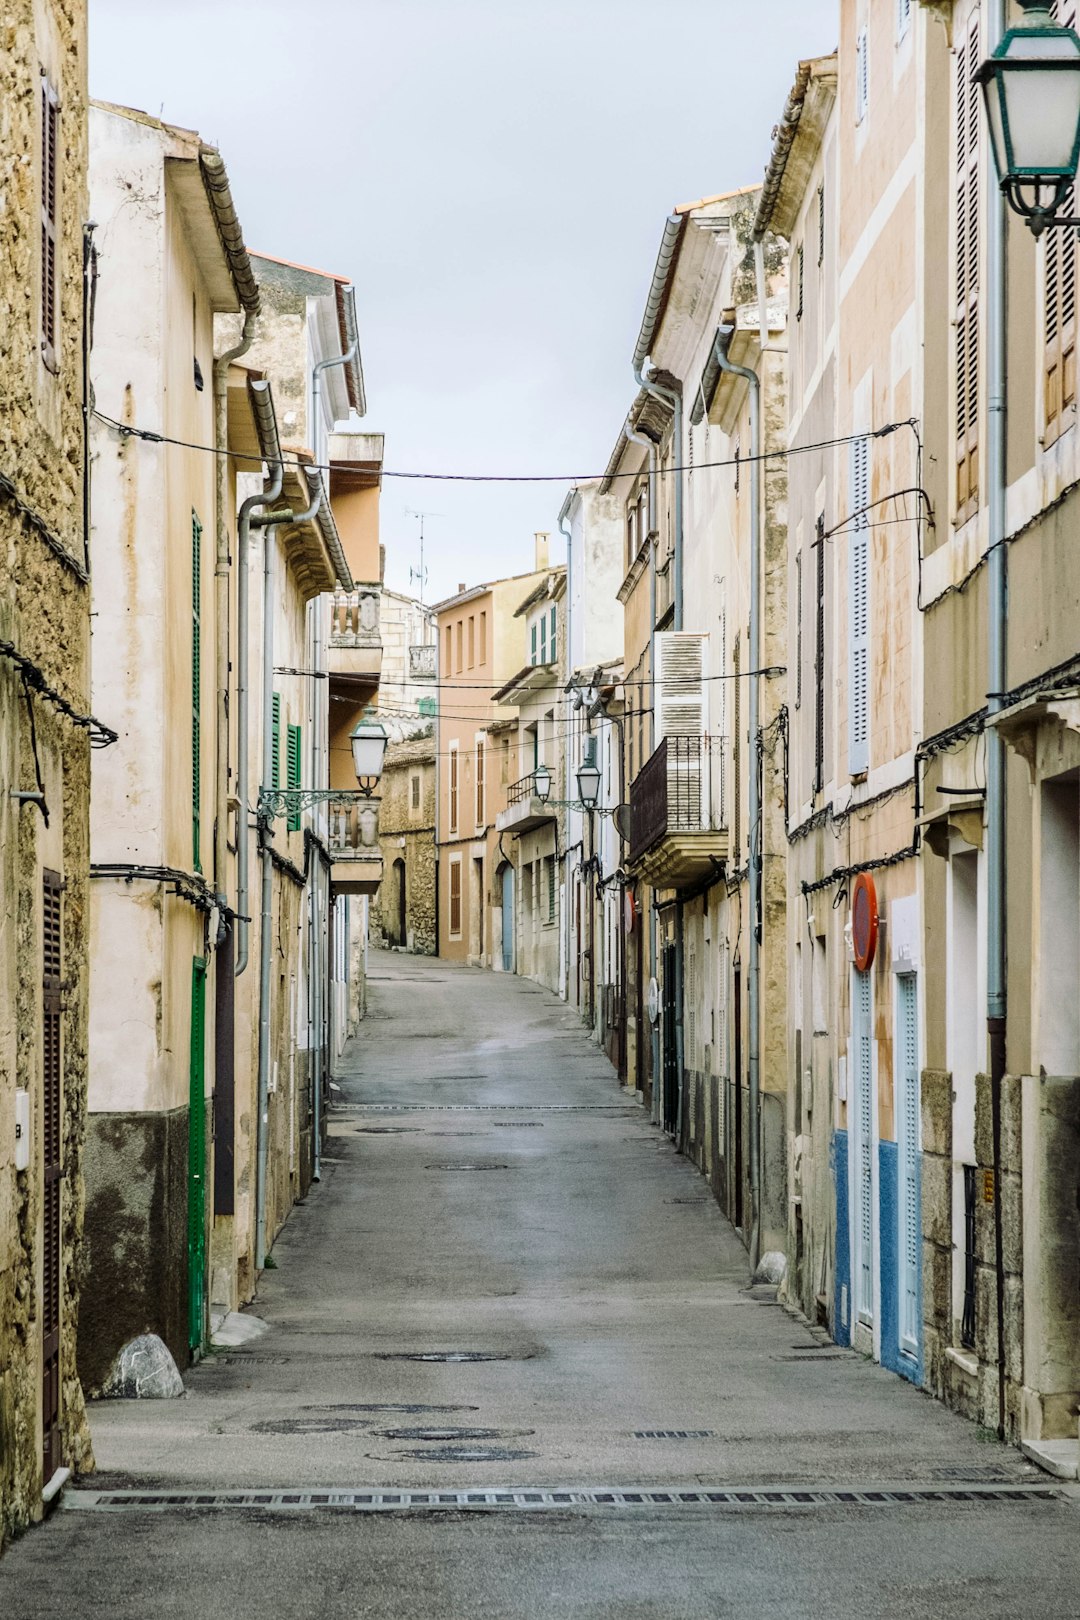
[
  {"x": 326, "y": 1424},
  {"x": 453, "y": 1434},
  {"x": 453, "y": 1355},
  {"x": 469, "y": 1454}
]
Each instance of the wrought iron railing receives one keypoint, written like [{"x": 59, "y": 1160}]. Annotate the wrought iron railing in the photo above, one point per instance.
[
  {"x": 673, "y": 792},
  {"x": 517, "y": 792},
  {"x": 354, "y": 617},
  {"x": 967, "y": 1323}
]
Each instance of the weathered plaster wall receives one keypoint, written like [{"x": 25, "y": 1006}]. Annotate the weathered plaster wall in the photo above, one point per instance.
[
  {"x": 407, "y": 835},
  {"x": 44, "y": 613}
]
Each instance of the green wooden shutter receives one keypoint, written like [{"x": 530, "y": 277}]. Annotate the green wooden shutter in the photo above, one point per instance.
[
  {"x": 275, "y": 744},
  {"x": 294, "y": 773},
  {"x": 196, "y": 687}
]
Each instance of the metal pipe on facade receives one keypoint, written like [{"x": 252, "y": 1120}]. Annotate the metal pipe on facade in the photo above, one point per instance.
[
  {"x": 996, "y": 679},
  {"x": 263, "y": 405},
  {"x": 753, "y": 977}
]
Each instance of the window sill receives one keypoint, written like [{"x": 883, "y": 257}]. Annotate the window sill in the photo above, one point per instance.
[{"x": 966, "y": 1360}]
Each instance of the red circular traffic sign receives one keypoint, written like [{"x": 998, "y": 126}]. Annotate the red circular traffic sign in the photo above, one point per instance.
[{"x": 864, "y": 920}]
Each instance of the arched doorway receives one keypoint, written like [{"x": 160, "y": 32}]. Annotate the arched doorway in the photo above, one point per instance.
[{"x": 399, "y": 890}]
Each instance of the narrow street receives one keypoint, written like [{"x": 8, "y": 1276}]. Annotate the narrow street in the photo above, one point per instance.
[{"x": 507, "y": 1280}]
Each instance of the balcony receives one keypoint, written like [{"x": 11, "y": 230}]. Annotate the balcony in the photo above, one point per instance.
[
  {"x": 355, "y": 641},
  {"x": 676, "y": 831},
  {"x": 356, "y": 861},
  {"x": 524, "y": 810},
  {"x": 422, "y": 663}
]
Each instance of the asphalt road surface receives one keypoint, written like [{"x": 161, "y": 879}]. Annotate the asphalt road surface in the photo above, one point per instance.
[{"x": 513, "y": 1369}]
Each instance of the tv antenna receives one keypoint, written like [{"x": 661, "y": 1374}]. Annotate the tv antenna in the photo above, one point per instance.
[{"x": 419, "y": 575}]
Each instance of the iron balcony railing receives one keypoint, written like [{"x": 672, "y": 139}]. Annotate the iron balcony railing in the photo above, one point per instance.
[
  {"x": 673, "y": 792},
  {"x": 354, "y": 617},
  {"x": 518, "y": 792}
]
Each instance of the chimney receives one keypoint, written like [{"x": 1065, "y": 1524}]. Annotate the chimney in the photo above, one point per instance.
[
  {"x": 541, "y": 550},
  {"x": 461, "y": 589}
]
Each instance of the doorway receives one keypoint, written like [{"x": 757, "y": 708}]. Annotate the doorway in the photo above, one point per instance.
[
  {"x": 862, "y": 1132},
  {"x": 670, "y": 1036},
  {"x": 52, "y": 1133},
  {"x": 197, "y": 1160},
  {"x": 399, "y": 891},
  {"x": 508, "y": 918}
]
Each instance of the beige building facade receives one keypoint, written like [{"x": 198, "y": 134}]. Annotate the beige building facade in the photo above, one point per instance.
[
  {"x": 46, "y": 736},
  {"x": 405, "y": 914}
]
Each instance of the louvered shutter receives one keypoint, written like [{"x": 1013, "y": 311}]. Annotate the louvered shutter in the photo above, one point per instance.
[
  {"x": 909, "y": 1136},
  {"x": 903, "y": 17},
  {"x": 293, "y": 768},
  {"x": 723, "y": 739},
  {"x": 690, "y": 1009},
  {"x": 859, "y": 611},
  {"x": 722, "y": 1012},
  {"x": 863, "y": 1143},
  {"x": 966, "y": 314},
  {"x": 680, "y": 712},
  {"x": 52, "y": 1108},
  {"x": 862, "y": 75},
  {"x": 819, "y": 657},
  {"x": 275, "y": 742}
]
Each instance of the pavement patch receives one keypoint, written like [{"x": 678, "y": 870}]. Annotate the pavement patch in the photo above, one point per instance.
[
  {"x": 454, "y": 1355},
  {"x": 468, "y": 1454},
  {"x": 450, "y": 1433}
]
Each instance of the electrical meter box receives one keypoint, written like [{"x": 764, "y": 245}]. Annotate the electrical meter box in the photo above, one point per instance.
[{"x": 22, "y": 1130}]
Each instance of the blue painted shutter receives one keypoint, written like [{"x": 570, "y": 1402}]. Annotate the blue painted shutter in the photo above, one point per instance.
[
  {"x": 863, "y": 1144},
  {"x": 908, "y": 1133}
]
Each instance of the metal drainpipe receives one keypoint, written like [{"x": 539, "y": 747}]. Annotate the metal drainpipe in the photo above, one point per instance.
[
  {"x": 640, "y": 438},
  {"x": 222, "y": 565},
  {"x": 996, "y": 674},
  {"x": 568, "y": 740},
  {"x": 243, "y": 707},
  {"x": 268, "y": 521},
  {"x": 753, "y": 977}
]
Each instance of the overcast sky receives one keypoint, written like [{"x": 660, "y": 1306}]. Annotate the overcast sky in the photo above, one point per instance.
[{"x": 493, "y": 175}]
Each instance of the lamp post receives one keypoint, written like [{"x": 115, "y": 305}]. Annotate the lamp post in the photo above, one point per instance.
[
  {"x": 542, "y": 783},
  {"x": 368, "y": 742},
  {"x": 1031, "y": 89}
]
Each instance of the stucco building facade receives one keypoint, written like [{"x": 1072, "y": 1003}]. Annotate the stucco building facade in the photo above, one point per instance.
[{"x": 405, "y": 909}]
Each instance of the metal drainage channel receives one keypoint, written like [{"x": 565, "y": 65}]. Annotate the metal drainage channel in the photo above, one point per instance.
[
  {"x": 484, "y": 1108},
  {"x": 383, "y": 1501}
]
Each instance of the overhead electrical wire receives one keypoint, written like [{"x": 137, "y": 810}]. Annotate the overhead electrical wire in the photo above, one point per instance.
[{"x": 149, "y": 436}]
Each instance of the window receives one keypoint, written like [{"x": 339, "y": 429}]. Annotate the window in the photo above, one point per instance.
[
  {"x": 551, "y": 635},
  {"x": 966, "y": 310},
  {"x": 549, "y": 888},
  {"x": 275, "y": 743},
  {"x": 293, "y": 769},
  {"x": 481, "y": 818},
  {"x": 455, "y": 897},
  {"x": 903, "y": 18},
  {"x": 427, "y": 707},
  {"x": 50, "y": 158},
  {"x": 483, "y": 638},
  {"x": 543, "y": 638},
  {"x": 821, "y": 224},
  {"x": 453, "y": 787},
  {"x": 414, "y": 791},
  {"x": 532, "y": 644},
  {"x": 800, "y": 268},
  {"x": 447, "y": 658},
  {"x": 859, "y": 604},
  {"x": 472, "y": 640},
  {"x": 460, "y": 640},
  {"x": 196, "y": 690},
  {"x": 1059, "y": 327},
  {"x": 862, "y": 75},
  {"x": 632, "y": 541}
]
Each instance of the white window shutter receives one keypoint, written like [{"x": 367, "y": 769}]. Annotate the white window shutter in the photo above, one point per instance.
[
  {"x": 859, "y": 611},
  {"x": 903, "y": 18},
  {"x": 862, "y": 75},
  {"x": 679, "y": 689}
]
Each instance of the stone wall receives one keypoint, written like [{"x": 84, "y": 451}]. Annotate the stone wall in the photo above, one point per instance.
[
  {"x": 44, "y": 619},
  {"x": 407, "y": 840}
]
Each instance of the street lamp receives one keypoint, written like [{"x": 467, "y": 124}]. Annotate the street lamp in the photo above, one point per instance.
[
  {"x": 588, "y": 783},
  {"x": 368, "y": 740},
  {"x": 1031, "y": 87},
  {"x": 542, "y": 783}
]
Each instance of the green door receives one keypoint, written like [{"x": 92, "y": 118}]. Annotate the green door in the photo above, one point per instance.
[{"x": 197, "y": 1159}]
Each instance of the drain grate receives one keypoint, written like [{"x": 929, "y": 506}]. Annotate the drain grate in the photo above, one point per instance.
[
  {"x": 783, "y": 1498},
  {"x": 687, "y": 1200},
  {"x": 517, "y": 1124},
  {"x": 673, "y": 1434},
  {"x": 467, "y": 1167}
]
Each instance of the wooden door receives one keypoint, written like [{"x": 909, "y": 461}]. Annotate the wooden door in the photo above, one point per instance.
[{"x": 52, "y": 1141}]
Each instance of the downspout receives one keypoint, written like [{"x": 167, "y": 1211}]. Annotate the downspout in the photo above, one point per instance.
[
  {"x": 268, "y": 521},
  {"x": 996, "y": 677},
  {"x": 753, "y": 978},
  {"x": 641, "y": 438},
  {"x": 264, "y": 410},
  {"x": 568, "y": 738}
]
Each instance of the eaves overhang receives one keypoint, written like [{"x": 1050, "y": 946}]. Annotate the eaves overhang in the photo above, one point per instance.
[
  {"x": 660, "y": 287},
  {"x": 648, "y": 415},
  {"x": 796, "y": 143},
  {"x": 533, "y": 678}
]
